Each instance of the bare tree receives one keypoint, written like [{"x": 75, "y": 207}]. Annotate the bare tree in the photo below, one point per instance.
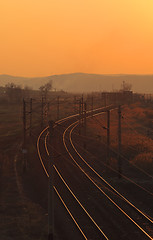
[
  {"x": 44, "y": 89},
  {"x": 126, "y": 86}
]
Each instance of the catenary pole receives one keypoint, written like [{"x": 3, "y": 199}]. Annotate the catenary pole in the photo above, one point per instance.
[
  {"x": 51, "y": 186},
  {"x": 58, "y": 103},
  {"x": 85, "y": 123},
  {"x": 119, "y": 142},
  {"x": 108, "y": 137},
  {"x": 30, "y": 129},
  {"x": 42, "y": 112}
]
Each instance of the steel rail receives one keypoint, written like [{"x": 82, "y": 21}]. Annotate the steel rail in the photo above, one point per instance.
[
  {"x": 81, "y": 204},
  {"x": 70, "y": 214},
  {"x": 128, "y": 179},
  {"x": 125, "y": 199},
  {"x": 38, "y": 141},
  {"x": 74, "y": 194},
  {"x": 144, "y": 189},
  {"x": 140, "y": 228},
  {"x": 64, "y": 204}
]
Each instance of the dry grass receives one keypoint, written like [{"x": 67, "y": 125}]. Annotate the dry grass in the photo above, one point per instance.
[
  {"x": 10, "y": 119},
  {"x": 137, "y": 138}
]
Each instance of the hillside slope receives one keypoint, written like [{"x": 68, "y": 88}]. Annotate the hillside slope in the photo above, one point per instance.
[{"x": 83, "y": 82}]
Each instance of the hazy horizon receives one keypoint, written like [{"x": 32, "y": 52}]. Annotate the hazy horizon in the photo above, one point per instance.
[
  {"x": 84, "y": 82},
  {"x": 68, "y": 73}
]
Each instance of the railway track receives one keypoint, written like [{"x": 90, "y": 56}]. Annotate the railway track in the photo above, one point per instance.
[{"x": 98, "y": 210}]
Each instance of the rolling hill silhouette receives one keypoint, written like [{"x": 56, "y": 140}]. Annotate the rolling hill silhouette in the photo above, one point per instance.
[{"x": 84, "y": 82}]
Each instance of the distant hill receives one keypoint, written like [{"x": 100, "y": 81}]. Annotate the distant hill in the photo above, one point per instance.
[
  {"x": 34, "y": 83},
  {"x": 83, "y": 82}
]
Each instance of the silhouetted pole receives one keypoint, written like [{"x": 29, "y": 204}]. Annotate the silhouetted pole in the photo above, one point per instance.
[
  {"x": 115, "y": 95},
  {"x": 51, "y": 186},
  {"x": 58, "y": 108},
  {"x": 85, "y": 123},
  {"x": 48, "y": 105},
  {"x": 24, "y": 150},
  {"x": 79, "y": 117},
  {"x": 108, "y": 136},
  {"x": 82, "y": 109},
  {"x": 74, "y": 104},
  {"x": 30, "y": 117},
  {"x": 24, "y": 123},
  {"x": 42, "y": 112},
  {"x": 105, "y": 99},
  {"x": 119, "y": 143},
  {"x": 92, "y": 105}
]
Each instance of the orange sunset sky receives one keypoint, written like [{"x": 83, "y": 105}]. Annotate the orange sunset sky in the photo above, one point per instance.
[{"x": 45, "y": 37}]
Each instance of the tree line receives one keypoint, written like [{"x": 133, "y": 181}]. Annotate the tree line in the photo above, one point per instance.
[{"x": 13, "y": 93}]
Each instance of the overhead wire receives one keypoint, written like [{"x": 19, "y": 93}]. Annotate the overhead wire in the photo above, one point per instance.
[
  {"x": 123, "y": 155},
  {"x": 104, "y": 179},
  {"x": 100, "y": 188}
]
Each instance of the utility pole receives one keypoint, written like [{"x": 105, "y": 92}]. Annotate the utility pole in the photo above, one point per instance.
[
  {"x": 24, "y": 123},
  {"x": 108, "y": 136},
  {"x": 30, "y": 128},
  {"x": 82, "y": 109},
  {"x": 48, "y": 105},
  {"x": 42, "y": 112},
  {"x": 79, "y": 117},
  {"x": 51, "y": 186},
  {"x": 58, "y": 108},
  {"x": 85, "y": 123},
  {"x": 92, "y": 105},
  {"x": 119, "y": 143},
  {"x": 74, "y": 104},
  {"x": 115, "y": 98},
  {"x": 105, "y": 99},
  {"x": 24, "y": 150}
]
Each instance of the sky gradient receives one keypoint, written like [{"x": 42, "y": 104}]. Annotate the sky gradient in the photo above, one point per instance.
[{"x": 45, "y": 37}]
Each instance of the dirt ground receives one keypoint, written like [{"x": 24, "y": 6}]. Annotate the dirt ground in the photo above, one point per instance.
[{"x": 20, "y": 217}]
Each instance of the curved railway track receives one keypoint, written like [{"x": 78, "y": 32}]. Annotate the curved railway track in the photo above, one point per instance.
[{"x": 98, "y": 210}]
